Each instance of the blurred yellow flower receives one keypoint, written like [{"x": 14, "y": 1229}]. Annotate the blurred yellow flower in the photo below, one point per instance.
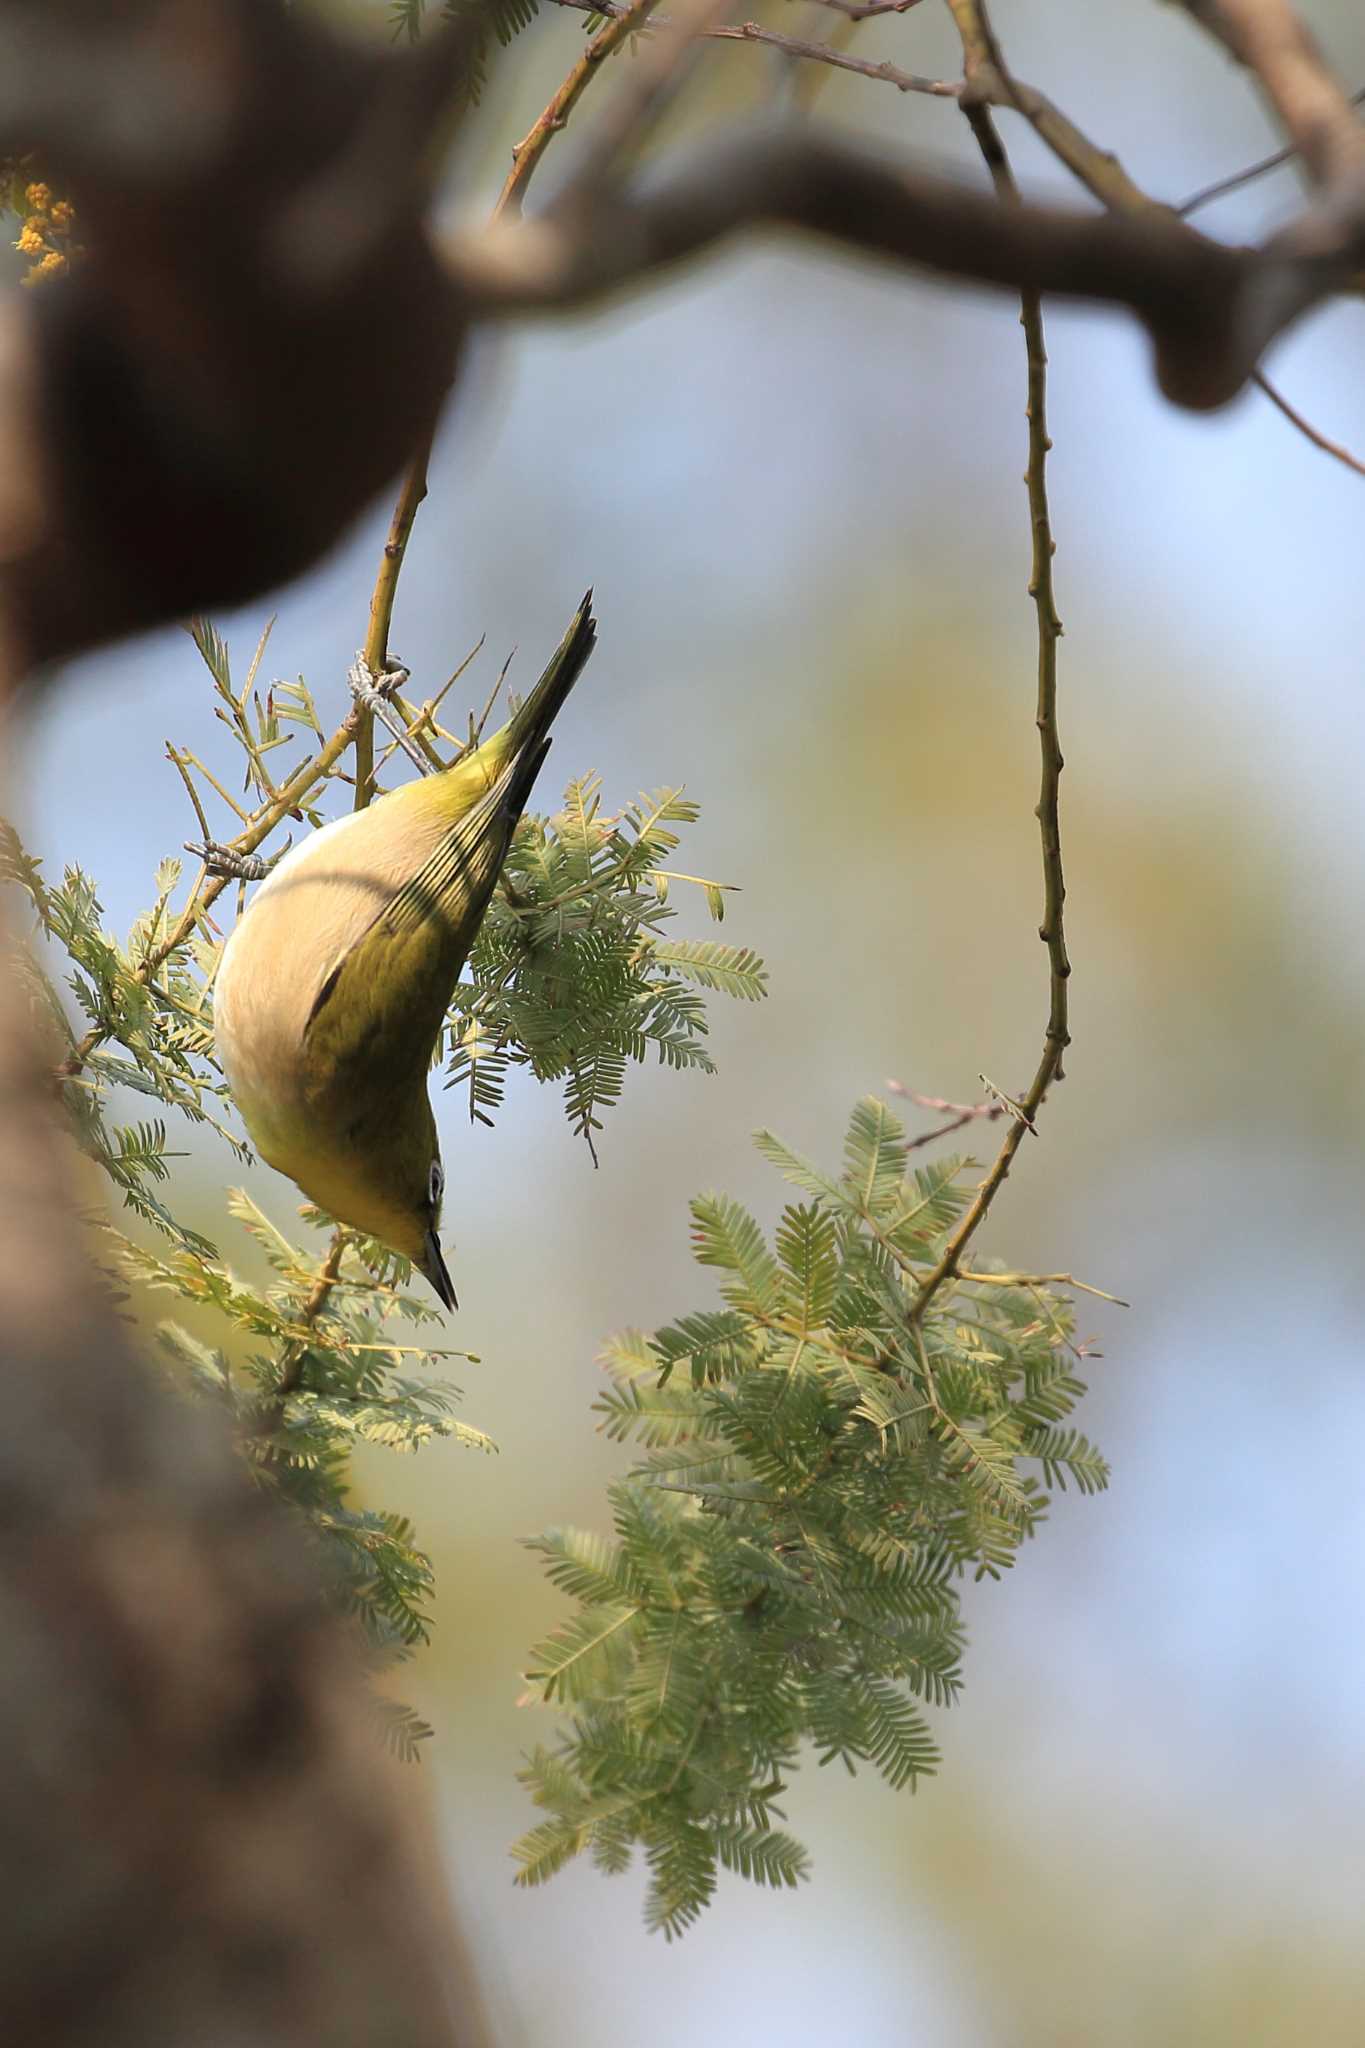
[{"x": 51, "y": 264}]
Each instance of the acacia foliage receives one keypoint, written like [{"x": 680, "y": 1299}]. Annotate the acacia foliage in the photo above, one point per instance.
[
  {"x": 821, "y": 1465},
  {"x": 501, "y": 19},
  {"x": 570, "y": 974},
  {"x": 575, "y": 977}
]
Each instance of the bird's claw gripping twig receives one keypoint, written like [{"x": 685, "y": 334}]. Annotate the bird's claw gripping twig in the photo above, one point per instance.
[
  {"x": 375, "y": 693},
  {"x": 232, "y": 866}
]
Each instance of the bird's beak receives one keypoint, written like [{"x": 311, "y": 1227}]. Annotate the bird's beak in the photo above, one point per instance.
[{"x": 434, "y": 1266}]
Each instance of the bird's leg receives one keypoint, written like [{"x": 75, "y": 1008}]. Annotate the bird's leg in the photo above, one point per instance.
[
  {"x": 375, "y": 693},
  {"x": 232, "y": 866}
]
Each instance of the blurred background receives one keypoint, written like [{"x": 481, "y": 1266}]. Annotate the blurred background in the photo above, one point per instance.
[{"x": 795, "y": 483}]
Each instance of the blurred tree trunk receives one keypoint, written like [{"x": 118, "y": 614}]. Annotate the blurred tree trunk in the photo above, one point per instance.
[
  {"x": 200, "y": 1838},
  {"x": 201, "y": 1843}
]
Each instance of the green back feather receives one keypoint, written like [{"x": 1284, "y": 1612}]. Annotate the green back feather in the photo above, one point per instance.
[{"x": 376, "y": 1018}]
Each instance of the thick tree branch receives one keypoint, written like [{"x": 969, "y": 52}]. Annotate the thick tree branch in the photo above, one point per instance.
[
  {"x": 260, "y": 332},
  {"x": 1099, "y": 171},
  {"x": 1210, "y": 309},
  {"x": 264, "y": 331}
]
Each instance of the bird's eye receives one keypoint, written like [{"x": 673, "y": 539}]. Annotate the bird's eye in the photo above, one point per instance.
[{"x": 436, "y": 1186}]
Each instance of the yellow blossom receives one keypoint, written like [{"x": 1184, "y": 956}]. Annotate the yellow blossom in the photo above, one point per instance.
[
  {"x": 39, "y": 197},
  {"x": 30, "y": 241},
  {"x": 53, "y": 262},
  {"x": 62, "y": 215}
]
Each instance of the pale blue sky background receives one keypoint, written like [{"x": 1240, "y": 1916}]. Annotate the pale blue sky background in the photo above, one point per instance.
[{"x": 795, "y": 484}]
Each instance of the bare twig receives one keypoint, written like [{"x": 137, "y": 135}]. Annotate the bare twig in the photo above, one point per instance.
[
  {"x": 653, "y": 83},
  {"x": 826, "y": 53},
  {"x": 941, "y": 1102},
  {"x": 796, "y": 46},
  {"x": 185, "y": 777},
  {"x": 476, "y": 726},
  {"x": 991, "y": 1111},
  {"x": 622, "y": 22},
  {"x": 1100, "y": 171},
  {"x": 852, "y": 10},
  {"x": 1040, "y": 1280},
  {"x": 990, "y": 82},
  {"x": 292, "y": 793},
  {"x": 1268, "y": 37},
  {"x": 376, "y": 650},
  {"x": 525, "y": 157},
  {"x": 292, "y": 1371},
  {"x": 958, "y": 1113},
  {"x": 976, "y": 38},
  {"x": 1220, "y": 188},
  {"x": 191, "y": 760},
  {"x": 966, "y": 1110},
  {"x": 425, "y": 720},
  {"x": 1211, "y": 310},
  {"x": 1306, "y": 427}
]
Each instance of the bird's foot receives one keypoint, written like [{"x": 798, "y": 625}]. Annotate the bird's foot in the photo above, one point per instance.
[
  {"x": 375, "y": 692},
  {"x": 231, "y": 866}
]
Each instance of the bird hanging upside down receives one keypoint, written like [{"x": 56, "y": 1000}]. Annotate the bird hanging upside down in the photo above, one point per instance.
[{"x": 334, "y": 985}]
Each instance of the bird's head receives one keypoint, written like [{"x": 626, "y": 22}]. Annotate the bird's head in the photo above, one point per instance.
[
  {"x": 423, "y": 1244},
  {"x": 388, "y": 1182}
]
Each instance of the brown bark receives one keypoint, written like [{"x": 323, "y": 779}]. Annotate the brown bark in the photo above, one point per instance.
[{"x": 198, "y": 1842}]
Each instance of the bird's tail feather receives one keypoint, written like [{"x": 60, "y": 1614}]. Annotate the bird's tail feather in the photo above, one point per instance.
[
  {"x": 533, "y": 719},
  {"x": 518, "y": 780}
]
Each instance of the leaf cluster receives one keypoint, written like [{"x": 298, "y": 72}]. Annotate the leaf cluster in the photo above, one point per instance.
[
  {"x": 822, "y": 1466},
  {"x": 161, "y": 1021},
  {"x": 311, "y": 1368},
  {"x": 570, "y": 976}
]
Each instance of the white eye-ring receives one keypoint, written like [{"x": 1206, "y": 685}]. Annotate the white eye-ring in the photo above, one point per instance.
[{"x": 436, "y": 1186}]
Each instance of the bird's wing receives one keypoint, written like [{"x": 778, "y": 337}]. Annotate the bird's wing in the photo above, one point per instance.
[{"x": 387, "y": 995}]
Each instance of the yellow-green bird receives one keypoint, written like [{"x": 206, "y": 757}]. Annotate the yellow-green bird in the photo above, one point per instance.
[{"x": 334, "y": 985}]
